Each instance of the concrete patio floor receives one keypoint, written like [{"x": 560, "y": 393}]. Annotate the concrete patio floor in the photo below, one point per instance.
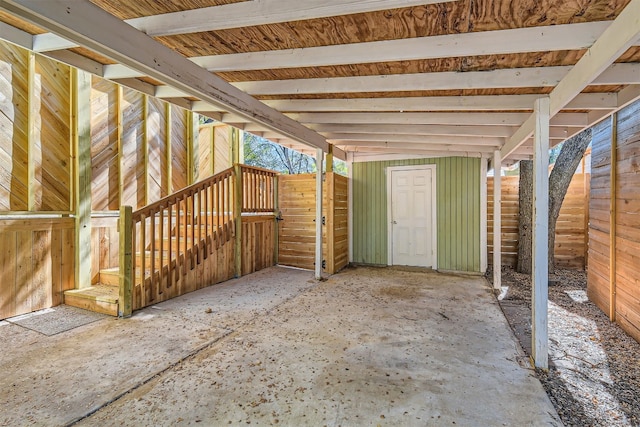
[{"x": 368, "y": 346}]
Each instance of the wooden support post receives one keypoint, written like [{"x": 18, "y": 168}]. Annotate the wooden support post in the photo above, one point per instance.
[
  {"x": 319, "y": 158},
  {"x": 329, "y": 159},
  {"x": 330, "y": 221},
  {"x": 119, "y": 132},
  {"x": 276, "y": 211},
  {"x": 82, "y": 129},
  {"x": 236, "y": 146},
  {"x": 125, "y": 298},
  {"x": 193, "y": 151},
  {"x": 350, "y": 207},
  {"x": 237, "y": 220},
  {"x": 168, "y": 140},
  {"x": 612, "y": 217},
  {"x": 497, "y": 220},
  {"x": 540, "y": 276},
  {"x": 145, "y": 146},
  {"x": 212, "y": 151},
  {"x": 33, "y": 134}
]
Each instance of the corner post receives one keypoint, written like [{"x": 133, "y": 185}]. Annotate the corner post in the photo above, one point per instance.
[
  {"x": 125, "y": 228},
  {"x": 497, "y": 220},
  {"x": 237, "y": 217},
  {"x": 319, "y": 158},
  {"x": 612, "y": 217},
  {"x": 82, "y": 143},
  {"x": 540, "y": 250}
]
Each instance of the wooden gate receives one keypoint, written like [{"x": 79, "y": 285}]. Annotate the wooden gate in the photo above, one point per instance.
[{"x": 297, "y": 229}]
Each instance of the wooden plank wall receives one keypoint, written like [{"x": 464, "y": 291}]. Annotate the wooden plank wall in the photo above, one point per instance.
[
  {"x": 214, "y": 149},
  {"x": 258, "y": 242},
  {"x": 571, "y": 228},
  {"x": 36, "y": 263},
  {"x": 297, "y": 230},
  {"x": 35, "y": 137},
  {"x": 36, "y": 164},
  {"x": 623, "y": 199}
]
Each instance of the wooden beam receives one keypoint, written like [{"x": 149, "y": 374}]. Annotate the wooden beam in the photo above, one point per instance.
[
  {"x": 90, "y": 26},
  {"x": 540, "y": 251},
  {"x": 438, "y": 103},
  {"x": 497, "y": 220},
  {"x": 238, "y": 15},
  {"x": 616, "y": 74},
  {"x": 125, "y": 291},
  {"x": 82, "y": 141},
  {"x": 237, "y": 220},
  {"x": 440, "y": 145},
  {"x": 612, "y": 217},
  {"x": 319, "y": 222},
  {"x": 434, "y": 118},
  {"x": 531, "y": 39},
  {"x": 16, "y": 36},
  {"x": 169, "y": 149},
  {"x": 354, "y": 138}
]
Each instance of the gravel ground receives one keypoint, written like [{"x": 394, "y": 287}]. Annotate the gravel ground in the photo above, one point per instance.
[{"x": 594, "y": 367}]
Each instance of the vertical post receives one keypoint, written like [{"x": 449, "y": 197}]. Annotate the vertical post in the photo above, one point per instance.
[
  {"x": 193, "y": 151},
  {"x": 276, "y": 211},
  {"x": 497, "y": 220},
  {"x": 82, "y": 129},
  {"x": 169, "y": 148},
  {"x": 350, "y": 204},
  {"x": 319, "y": 158},
  {"x": 237, "y": 220},
  {"x": 540, "y": 250},
  {"x": 125, "y": 297},
  {"x": 145, "y": 146},
  {"x": 612, "y": 218},
  {"x": 33, "y": 134},
  {"x": 329, "y": 160},
  {"x": 330, "y": 221},
  {"x": 119, "y": 132}
]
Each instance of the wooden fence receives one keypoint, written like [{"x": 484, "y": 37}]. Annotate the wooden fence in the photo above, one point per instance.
[
  {"x": 296, "y": 238},
  {"x": 36, "y": 263},
  {"x": 614, "y": 229},
  {"x": 571, "y": 229}
]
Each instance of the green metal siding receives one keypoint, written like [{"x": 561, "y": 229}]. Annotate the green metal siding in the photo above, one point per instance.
[{"x": 458, "y": 211}]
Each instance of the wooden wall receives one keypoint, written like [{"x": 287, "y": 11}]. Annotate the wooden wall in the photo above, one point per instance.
[
  {"x": 258, "y": 243},
  {"x": 35, "y": 137},
  {"x": 214, "y": 149},
  {"x": 36, "y": 263},
  {"x": 297, "y": 230},
  {"x": 458, "y": 211},
  {"x": 139, "y": 147},
  {"x": 614, "y": 228},
  {"x": 571, "y": 228}
]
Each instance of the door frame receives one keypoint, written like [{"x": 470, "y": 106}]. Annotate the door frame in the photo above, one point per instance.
[{"x": 434, "y": 225}]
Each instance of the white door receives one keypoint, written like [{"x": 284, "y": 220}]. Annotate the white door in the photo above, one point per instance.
[{"x": 412, "y": 230}]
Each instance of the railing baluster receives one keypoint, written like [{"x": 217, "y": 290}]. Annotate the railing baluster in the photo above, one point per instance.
[{"x": 169, "y": 244}]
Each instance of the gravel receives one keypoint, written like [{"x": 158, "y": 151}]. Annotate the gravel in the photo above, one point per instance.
[{"x": 594, "y": 366}]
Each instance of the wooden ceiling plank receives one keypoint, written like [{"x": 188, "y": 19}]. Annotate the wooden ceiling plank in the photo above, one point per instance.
[
  {"x": 238, "y": 15},
  {"x": 614, "y": 41},
  {"x": 533, "y": 39},
  {"x": 92, "y": 27}
]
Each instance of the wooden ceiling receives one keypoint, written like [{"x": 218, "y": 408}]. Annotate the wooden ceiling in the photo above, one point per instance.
[{"x": 371, "y": 77}]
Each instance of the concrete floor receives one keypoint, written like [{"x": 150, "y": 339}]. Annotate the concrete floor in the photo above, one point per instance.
[{"x": 367, "y": 347}]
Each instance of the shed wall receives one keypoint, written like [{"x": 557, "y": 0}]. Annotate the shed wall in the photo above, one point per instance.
[{"x": 458, "y": 211}]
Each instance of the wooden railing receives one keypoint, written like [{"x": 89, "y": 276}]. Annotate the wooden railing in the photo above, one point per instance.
[
  {"x": 258, "y": 193},
  {"x": 165, "y": 246}
]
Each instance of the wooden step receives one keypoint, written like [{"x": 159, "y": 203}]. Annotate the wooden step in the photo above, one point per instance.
[
  {"x": 99, "y": 298},
  {"x": 110, "y": 276}
]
